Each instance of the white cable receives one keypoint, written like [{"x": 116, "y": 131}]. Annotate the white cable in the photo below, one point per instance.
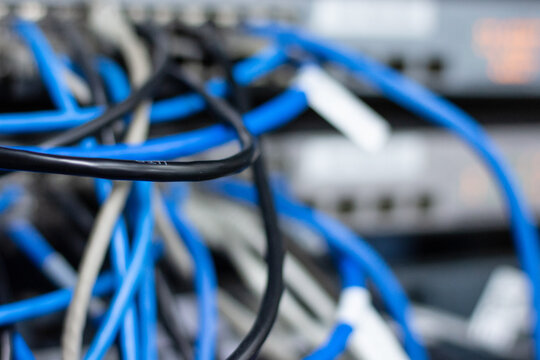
[
  {"x": 252, "y": 269},
  {"x": 276, "y": 346},
  {"x": 77, "y": 86},
  {"x": 88, "y": 270},
  {"x": 296, "y": 276},
  {"x": 109, "y": 22},
  {"x": 236, "y": 313},
  {"x": 107, "y": 19},
  {"x": 372, "y": 338},
  {"x": 436, "y": 325},
  {"x": 253, "y": 272}
]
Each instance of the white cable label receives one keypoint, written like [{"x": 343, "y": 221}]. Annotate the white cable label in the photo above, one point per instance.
[
  {"x": 372, "y": 338},
  {"x": 353, "y": 302},
  {"x": 503, "y": 311},
  {"x": 342, "y": 109}
]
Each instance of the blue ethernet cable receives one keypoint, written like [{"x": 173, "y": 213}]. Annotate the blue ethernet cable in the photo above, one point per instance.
[
  {"x": 58, "y": 300},
  {"x": 119, "y": 253},
  {"x": 132, "y": 279},
  {"x": 21, "y": 351},
  {"x": 148, "y": 312},
  {"x": 49, "y": 303},
  {"x": 9, "y": 195},
  {"x": 30, "y": 241},
  {"x": 50, "y": 67},
  {"x": 348, "y": 244},
  {"x": 114, "y": 79},
  {"x": 51, "y": 71},
  {"x": 426, "y": 104},
  {"x": 335, "y": 345},
  {"x": 205, "y": 281},
  {"x": 47, "y": 120}
]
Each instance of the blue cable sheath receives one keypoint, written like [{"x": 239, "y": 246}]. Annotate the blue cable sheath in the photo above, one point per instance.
[
  {"x": 29, "y": 241},
  {"x": 351, "y": 274},
  {"x": 9, "y": 195},
  {"x": 335, "y": 345},
  {"x": 119, "y": 253},
  {"x": 114, "y": 79},
  {"x": 185, "y": 105},
  {"x": 50, "y": 67},
  {"x": 49, "y": 303},
  {"x": 124, "y": 295},
  {"x": 148, "y": 313},
  {"x": 118, "y": 85},
  {"x": 205, "y": 283},
  {"x": 46, "y": 120},
  {"x": 349, "y": 244},
  {"x": 260, "y": 64},
  {"x": 21, "y": 351}
]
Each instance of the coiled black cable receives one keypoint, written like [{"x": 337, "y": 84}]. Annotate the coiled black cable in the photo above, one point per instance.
[{"x": 250, "y": 346}]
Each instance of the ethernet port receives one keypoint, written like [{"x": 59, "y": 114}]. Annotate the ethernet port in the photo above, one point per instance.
[
  {"x": 346, "y": 206},
  {"x": 425, "y": 202},
  {"x": 397, "y": 63},
  {"x": 435, "y": 66},
  {"x": 385, "y": 204}
]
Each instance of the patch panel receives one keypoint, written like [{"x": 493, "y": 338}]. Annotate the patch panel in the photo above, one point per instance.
[{"x": 424, "y": 181}]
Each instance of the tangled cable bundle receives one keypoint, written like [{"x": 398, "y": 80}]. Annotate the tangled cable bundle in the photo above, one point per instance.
[{"x": 127, "y": 110}]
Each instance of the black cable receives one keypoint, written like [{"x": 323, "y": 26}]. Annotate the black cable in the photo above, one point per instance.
[
  {"x": 6, "y": 344},
  {"x": 325, "y": 279},
  {"x": 212, "y": 44},
  {"x": 84, "y": 57},
  {"x": 166, "y": 309},
  {"x": 275, "y": 253},
  {"x": 250, "y": 346}
]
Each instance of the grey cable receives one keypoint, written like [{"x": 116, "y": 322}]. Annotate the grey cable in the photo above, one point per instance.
[{"x": 109, "y": 21}]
